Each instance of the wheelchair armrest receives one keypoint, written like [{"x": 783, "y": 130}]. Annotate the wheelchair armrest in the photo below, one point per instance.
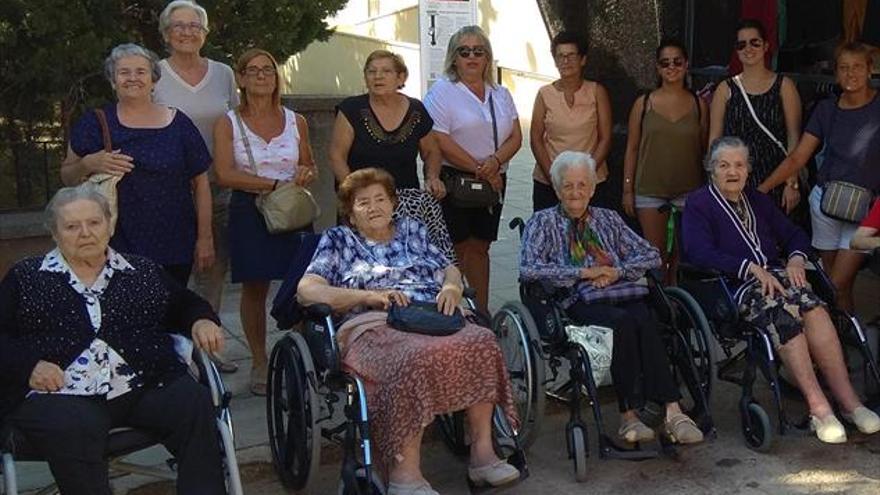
[
  {"x": 694, "y": 272},
  {"x": 469, "y": 293},
  {"x": 317, "y": 312}
]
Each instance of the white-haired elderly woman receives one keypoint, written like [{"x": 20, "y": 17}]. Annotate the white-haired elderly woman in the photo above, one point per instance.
[
  {"x": 741, "y": 232},
  {"x": 478, "y": 132},
  {"x": 164, "y": 198},
  {"x": 85, "y": 346},
  {"x": 592, "y": 250},
  {"x": 204, "y": 90}
]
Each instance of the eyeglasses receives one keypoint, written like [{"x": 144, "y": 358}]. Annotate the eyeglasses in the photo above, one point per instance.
[
  {"x": 740, "y": 45},
  {"x": 380, "y": 72},
  {"x": 665, "y": 63},
  {"x": 254, "y": 71},
  {"x": 566, "y": 57},
  {"x": 183, "y": 27},
  {"x": 467, "y": 51}
]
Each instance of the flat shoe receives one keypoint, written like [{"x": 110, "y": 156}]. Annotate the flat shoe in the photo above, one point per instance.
[
  {"x": 682, "y": 429},
  {"x": 635, "y": 431},
  {"x": 419, "y": 488},
  {"x": 829, "y": 429},
  {"x": 865, "y": 420},
  {"x": 496, "y": 474},
  {"x": 258, "y": 381}
]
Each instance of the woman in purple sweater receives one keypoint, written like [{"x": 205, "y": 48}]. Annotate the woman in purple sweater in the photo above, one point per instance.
[{"x": 741, "y": 233}]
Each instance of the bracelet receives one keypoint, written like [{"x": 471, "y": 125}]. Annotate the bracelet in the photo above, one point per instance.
[
  {"x": 627, "y": 180},
  {"x": 275, "y": 184}
]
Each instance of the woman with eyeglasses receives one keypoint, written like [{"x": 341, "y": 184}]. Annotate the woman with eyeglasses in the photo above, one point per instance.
[
  {"x": 259, "y": 147},
  {"x": 385, "y": 129},
  {"x": 477, "y": 128},
  {"x": 572, "y": 114},
  {"x": 771, "y": 127},
  {"x": 664, "y": 148},
  {"x": 205, "y": 90}
]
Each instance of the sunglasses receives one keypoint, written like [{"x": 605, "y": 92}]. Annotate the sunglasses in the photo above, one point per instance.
[
  {"x": 467, "y": 51},
  {"x": 740, "y": 45},
  {"x": 666, "y": 63}
]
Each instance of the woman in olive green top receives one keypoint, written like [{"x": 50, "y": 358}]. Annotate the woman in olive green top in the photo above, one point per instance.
[{"x": 667, "y": 129}]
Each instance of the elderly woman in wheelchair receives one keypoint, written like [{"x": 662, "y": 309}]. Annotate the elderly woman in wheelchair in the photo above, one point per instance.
[
  {"x": 592, "y": 250},
  {"x": 85, "y": 346},
  {"x": 762, "y": 256},
  {"x": 367, "y": 268}
]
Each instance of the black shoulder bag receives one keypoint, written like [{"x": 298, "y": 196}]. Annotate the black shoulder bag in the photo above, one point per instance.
[{"x": 465, "y": 190}]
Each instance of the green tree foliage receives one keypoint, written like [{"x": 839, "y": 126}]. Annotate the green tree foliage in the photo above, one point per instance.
[{"x": 52, "y": 51}]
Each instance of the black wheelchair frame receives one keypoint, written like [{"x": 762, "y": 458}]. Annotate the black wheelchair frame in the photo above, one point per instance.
[
  {"x": 713, "y": 293},
  {"x": 688, "y": 342}
]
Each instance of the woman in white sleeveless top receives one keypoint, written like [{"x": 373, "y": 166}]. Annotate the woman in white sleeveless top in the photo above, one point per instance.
[{"x": 279, "y": 143}]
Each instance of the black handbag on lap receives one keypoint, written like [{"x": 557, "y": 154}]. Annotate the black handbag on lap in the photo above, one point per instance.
[{"x": 424, "y": 318}]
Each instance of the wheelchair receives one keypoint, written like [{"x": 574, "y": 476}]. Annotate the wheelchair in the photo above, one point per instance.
[
  {"x": 741, "y": 364},
  {"x": 531, "y": 333},
  {"x": 124, "y": 441},
  {"x": 308, "y": 390}
]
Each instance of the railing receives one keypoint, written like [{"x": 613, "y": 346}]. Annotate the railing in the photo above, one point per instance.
[{"x": 29, "y": 173}]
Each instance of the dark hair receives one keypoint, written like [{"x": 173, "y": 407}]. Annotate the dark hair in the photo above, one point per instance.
[
  {"x": 752, "y": 24},
  {"x": 671, "y": 43},
  {"x": 857, "y": 48},
  {"x": 570, "y": 38},
  {"x": 361, "y": 179}
]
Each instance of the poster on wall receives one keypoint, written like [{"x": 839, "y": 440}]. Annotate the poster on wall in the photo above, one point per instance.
[{"x": 438, "y": 21}]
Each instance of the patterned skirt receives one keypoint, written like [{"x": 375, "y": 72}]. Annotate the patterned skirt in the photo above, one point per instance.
[
  {"x": 411, "y": 378},
  {"x": 782, "y": 314}
]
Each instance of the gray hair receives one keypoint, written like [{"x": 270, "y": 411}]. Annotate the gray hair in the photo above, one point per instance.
[
  {"x": 568, "y": 159},
  {"x": 723, "y": 144},
  {"x": 129, "y": 50},
  {"x": 66, "y": 195},
  {"x": 165, "y": 16},
  {"x": 455, "y": 39}
]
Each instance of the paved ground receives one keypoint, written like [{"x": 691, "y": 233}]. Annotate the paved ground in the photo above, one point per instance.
[{"x": 797, "y": 464}]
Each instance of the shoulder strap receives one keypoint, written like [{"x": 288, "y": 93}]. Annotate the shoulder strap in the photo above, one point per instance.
[
  {"x": 494, "y": 125},
  {"x": 645, "y": 99},
  {"x": 245, "y": 140},
  {"x": 105, "y": 129},
  {"x": 738, "y": 83},
  {"x": 697, "y": 103}
]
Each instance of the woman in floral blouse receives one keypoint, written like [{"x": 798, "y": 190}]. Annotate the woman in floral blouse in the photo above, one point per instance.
[{"x": 592, "y": 250}]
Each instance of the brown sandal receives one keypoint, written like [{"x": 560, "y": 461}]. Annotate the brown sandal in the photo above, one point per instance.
[{"x": 682, "y": 429}]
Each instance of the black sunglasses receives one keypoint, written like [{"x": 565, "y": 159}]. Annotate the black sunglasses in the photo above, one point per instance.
[
  {"x": 665, "y": 63},
  {"x": 740, "y": 45},
  {"x": 467, "y": 51}
]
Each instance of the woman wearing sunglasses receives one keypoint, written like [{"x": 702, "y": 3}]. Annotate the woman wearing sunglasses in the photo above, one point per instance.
[
  {"x": 478, "y": 132},
  {"x": 664, "y": 147},
  {"x": 769, "y": 121},
  {"x": 569, "y": 114}
]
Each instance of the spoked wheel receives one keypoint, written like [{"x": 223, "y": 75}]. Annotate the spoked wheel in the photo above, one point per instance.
[
  {"x": 454, "y": 432},
  {"x": 694, "y": 329},
  {"x": 756, "y": 429},
  {"x": 292, "y": 412},
  {"x": 518, "y": 339},
  {"x": 577, "y": 450}
]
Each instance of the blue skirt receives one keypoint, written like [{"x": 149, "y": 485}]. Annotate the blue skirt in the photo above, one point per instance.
[{"x": 254, "y": 253}]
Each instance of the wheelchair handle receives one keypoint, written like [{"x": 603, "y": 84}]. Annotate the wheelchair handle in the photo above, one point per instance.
[{"x": 518, "y": 223}]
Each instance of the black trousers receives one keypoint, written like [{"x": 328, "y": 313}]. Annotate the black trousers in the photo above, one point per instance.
[
  {"x": 640, "y": 367},
  {"x": 70, "y": 432}
]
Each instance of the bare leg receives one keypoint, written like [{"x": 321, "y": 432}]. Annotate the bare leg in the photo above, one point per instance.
[
  {"x": 796, "y": 356},
  {"x": 480, "y": 272},
  {"x": 407, "y": 469},
  {"x": 253, "y": 319},
  {"x": 480, "y": 420},
  {"x": 825, "y": 348},
  {"x": 653, "y": 224},
  {"x": 843, "y": 275}
]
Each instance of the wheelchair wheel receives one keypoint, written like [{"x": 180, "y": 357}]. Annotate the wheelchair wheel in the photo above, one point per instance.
[
  {"x": 454, "y": 432},
  {"x": 520, "y": 343},
  {"x": 758, "y": 436},
  {"x": 694, "y": 327},
  {"x": 577, "y": 450},
  {"x": 292, "y": 412}
]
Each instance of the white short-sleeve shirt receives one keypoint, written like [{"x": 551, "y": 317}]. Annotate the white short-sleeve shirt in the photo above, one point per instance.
[{"x": 468, "y": 121}]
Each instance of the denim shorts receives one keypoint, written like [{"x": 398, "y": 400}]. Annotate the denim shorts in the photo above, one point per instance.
[{"x": 655, "y": 202}]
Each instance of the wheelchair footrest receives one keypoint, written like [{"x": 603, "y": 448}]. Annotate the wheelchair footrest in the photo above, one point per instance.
[{"x": 608, "y": 449}]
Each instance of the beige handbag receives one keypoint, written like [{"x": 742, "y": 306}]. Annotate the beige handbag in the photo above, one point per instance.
[
  {"x": 106, "y": 183},
  {"x": 290, "y": 207}
]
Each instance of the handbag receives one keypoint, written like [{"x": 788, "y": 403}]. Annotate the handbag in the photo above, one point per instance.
[
  {"x": 465, "y": 190},
  {"x": 845, "y": 201},
  {"x": 106, "y": 183},
  {"x": 425, "y": 319},
  {"x": 599, "y": 344},
  {"x": 289, "y": 207}
]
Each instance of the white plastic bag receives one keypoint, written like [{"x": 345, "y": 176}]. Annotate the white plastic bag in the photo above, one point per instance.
[{"x": 599, "y": 344}]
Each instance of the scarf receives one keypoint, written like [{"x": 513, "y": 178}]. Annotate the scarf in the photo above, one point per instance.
[{"x": 583, "y": 242}]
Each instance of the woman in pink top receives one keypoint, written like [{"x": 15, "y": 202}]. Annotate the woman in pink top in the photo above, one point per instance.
[{"x": 569, "y": 114}]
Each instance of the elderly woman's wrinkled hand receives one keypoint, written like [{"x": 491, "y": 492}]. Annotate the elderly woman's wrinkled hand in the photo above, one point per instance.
[
  {"x": 383, "y": 299},
  {"x": 600, "y": 276},
  {"x": 46, "y": 377},
  {"x": 207, "y": 336},
  {"x": 114, "y": 163},
  {"x": 770, "y": 286},
  {"x": 448, "y": 298},
  {"x": 305, "y": 176},
  {"x": 796, "y": 270}
]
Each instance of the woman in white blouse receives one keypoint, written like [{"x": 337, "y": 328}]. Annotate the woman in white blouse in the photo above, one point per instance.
[
  {"x": 478, "y": 131},
  {"x": 279, "y": 147}
]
